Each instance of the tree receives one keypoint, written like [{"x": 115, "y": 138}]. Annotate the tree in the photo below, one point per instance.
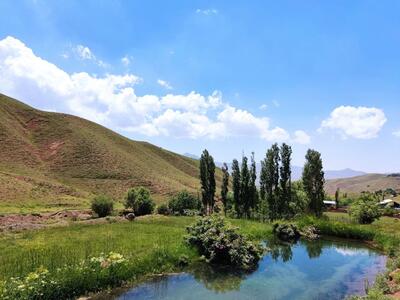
[
  {"x": 253, "y": 187},
  {"x": 207, "y": 180},
  {"x": 236, "y": 187},
  {"x": 269, "y": 181},
  {"x": 337, "y": 193},
  {"x": 139, "y": 200},
  {"x": 285, "y": 182},
  {"x": 313, "y": 181},
  {"x": 224, "y": 186},
  {"x": 364, "y": 210},
  {"x": 245, "y": 187},
  {"x": 183, "y": 201}
]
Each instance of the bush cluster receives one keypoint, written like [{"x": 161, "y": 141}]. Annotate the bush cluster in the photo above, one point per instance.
[
  {"x": 223, "y": 245},
  {"x": 364, "y": 210},
  {"x": 163, "y": 209},
  {"x": 102, "y": 206},
  {"x": 183, "y": 201},
  {"x": 286, "y": 231},
  {"x": 140, "y": 201}
]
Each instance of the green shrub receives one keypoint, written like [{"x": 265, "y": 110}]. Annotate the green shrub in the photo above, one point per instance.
[
  {"x": 163, "y": 209},
  {"x": 221, "y": 244},
  {"x": 140, "y": 201},
  {"x": 183, "y": 201},
  {"x": 364, "y": 210},
  {"x": 286, "y": 231},
  {"x": 102, "y": 206}
]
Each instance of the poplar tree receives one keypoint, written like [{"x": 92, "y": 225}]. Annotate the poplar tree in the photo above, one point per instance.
[
  {"x": 245, "y": 187},
  {"x": 207, "y": 180},
  {"x": 269, "y": 181},
  {"x": 285, "y": 183},
  {"x": 224, "y": 186},
  {"x": 253, "y": 187},
  {"x": 236, "y": 187},
  {"x": 313, "y": 181}
]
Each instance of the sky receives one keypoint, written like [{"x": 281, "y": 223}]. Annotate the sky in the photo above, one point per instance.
[{"x": 232, "y": 77}]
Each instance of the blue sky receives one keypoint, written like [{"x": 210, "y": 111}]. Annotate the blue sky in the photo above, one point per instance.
[{"x": 229, "y": 76}]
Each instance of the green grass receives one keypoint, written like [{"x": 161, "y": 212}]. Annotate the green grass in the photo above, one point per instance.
[{"x": 55, "y": 247}]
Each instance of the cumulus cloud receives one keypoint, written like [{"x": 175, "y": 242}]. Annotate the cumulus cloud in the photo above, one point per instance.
[
  {"x": 164, "y": 84},
  {"x": 357, "y": 122},
  {"x": 112, "y": 101},
  {"x": 301, "y": 137}
]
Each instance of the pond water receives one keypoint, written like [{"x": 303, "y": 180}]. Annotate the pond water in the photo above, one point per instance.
[{"x": 306, "y": 270}]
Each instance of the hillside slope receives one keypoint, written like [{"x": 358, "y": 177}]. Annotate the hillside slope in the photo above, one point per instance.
[
  {"x": 52, "y": 159},
  {"x": 369, "y": 182}
]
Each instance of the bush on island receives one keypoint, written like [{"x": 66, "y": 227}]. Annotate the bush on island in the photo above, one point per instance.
[
  {"x": 222, "y": 244},
  {"x": 286, "y": 231}
]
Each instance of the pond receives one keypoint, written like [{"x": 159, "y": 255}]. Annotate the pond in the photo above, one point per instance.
[{"x": 306, "y": 270}]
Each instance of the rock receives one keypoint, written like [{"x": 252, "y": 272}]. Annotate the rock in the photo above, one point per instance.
[{"x": 130, "y": 216}]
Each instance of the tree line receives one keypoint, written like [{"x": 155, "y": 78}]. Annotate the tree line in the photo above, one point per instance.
[{"x": 277, "y": 197}]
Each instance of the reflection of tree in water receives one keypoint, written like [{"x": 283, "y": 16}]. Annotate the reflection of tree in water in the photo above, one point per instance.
[
  {"x": 279, "y": 249},
  {"x": 218, "y": 279},
  {"x": 283, "y": 250},
  {"x": 314, "y": 248}
]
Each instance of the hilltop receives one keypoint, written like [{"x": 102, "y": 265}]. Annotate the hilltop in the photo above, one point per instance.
[
  {"x": 50, "y": 160},
  {"x": 357, "y": 184}
]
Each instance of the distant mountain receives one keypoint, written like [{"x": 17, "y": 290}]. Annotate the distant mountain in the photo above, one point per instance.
[
  {"x": 190, "y": 155},
  {"x": 369, "y": 182},
  {"x": 298, "y": 171}
]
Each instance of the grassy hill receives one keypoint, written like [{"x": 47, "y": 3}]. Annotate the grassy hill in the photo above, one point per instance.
[
  {"x": 369, "y": 182},
  {"x": 50, "y": 160}
]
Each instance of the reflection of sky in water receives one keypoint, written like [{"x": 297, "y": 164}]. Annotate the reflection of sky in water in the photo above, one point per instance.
[{"x": 318, "y": 270}]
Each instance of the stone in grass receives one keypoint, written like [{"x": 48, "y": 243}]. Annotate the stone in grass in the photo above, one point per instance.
[{"x": 130, "y": 216}]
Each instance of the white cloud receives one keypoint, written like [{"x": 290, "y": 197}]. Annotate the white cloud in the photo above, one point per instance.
[
  {"x": 301, "y": 137},
  {"x": 357, "y": 122},
  {"x": 397, "y": 134},
  {"x": 111, "y": 100},
  {"x": 84, "y": 52},
  {"x": 207, "y": 12},
  {"x": 126, "y": 61},
  {"x": 263, "y": 107},
  {"x": 164, "y": 84}
]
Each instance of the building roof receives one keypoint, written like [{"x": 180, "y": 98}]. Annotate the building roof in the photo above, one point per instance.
[{"x": 330, "y": 202}]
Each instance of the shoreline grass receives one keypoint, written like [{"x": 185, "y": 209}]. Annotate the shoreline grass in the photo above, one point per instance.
[{"x": 150, "y": 245}]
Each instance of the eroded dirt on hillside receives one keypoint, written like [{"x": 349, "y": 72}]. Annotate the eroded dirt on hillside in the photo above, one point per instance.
[{"x": 19, "y": 222}]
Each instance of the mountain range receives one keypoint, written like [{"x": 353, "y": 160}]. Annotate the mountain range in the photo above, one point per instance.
[{"x": 297, "y": 171}]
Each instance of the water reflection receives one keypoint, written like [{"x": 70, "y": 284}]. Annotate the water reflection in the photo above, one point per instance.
[{"x": 304, "y": 270}]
